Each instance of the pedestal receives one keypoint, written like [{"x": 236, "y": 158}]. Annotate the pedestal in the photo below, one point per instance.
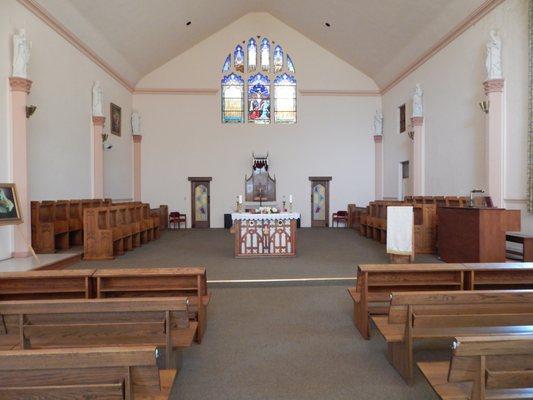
[
  {"x": 378, "y": 167},
  {"x": 419, "y": 177},
  {"x": 20, "y": 88},
  {"x": 137, "y": 167},
  {"x": 98, "y": 158}
]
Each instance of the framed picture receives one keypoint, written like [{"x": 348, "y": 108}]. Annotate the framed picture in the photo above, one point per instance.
[
  {"x": 116, "y": 119},
  {"x": 9, "y": 205}
]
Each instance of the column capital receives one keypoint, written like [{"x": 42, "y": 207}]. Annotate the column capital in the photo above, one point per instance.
[
  {"x": 378, "y": 138},
  {"x": 137, "y": 138},
  {"x": 19, "y": 84},
  {"x": 417, "y": 121},
  {"x": 98, "y": 121},
  {"x": 493, "y": 85}
]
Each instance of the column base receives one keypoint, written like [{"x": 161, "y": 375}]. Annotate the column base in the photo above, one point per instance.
[{"x": 21, "y": 254}]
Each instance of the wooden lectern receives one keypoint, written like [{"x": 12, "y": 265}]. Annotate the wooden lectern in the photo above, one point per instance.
[{"x": 474, "y": 234}]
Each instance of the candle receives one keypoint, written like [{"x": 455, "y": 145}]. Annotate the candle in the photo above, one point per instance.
[
  {"x": 290, "y": 198},
  {"x": 240, "y": 199}
]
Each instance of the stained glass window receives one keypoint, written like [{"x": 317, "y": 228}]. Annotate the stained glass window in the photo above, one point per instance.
[
  {"x": 259, "y": 99},
  {"x": 252, "y": 55},
  {"x": 285, "y": 99},
  {"x": 232, "y": 99},
  {"x": 238, "y": 56},
  {"x": 265, "y": 54},
  {"x": 290, "y": 64},
  {"x": 227, "y": 64},
  {"x": 277, "y": 59}
]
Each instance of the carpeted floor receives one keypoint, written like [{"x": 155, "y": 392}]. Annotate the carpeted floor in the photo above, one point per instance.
[
  {"x": 285, "y": 340},
  {"x": 321, "y": 253}
]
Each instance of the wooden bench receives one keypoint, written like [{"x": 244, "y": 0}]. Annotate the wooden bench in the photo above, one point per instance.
[
  {"x": 525, "y": 240},
  {"x": 445, "y": 315},
  {"x": 42, "y": 227},
  {"x": 151, "y": 282},
  {"x": 484, "y": 367},
  {"x": 81, "y": 373},
  {"x": 39, "y": 324},
  {"x": 76, "y": 223}
]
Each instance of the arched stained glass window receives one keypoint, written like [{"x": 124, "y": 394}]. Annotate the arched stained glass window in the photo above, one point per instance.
[
  {"x": 265, "y": 54},
  {"x": 259, "y": 99},
  {"x": 232, "y": 99},
  {"x": 252, "y": 55},
  {"x": 227, "y": 64},
  {"x": 290, "y": 64},
  {"x": 285, "y": 99},
  {"x": 268, "y": 83},
  {"x": 277, "y": 59},
  {"x": 238, "y": 57}
]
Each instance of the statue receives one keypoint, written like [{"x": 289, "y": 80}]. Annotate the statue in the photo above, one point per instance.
[
  {"x": 378, "y": 123},
  {"x": 418, "y": 108},
  {"x": 97, "y": 100},
  {"x": 493, "y": 63},
  {"x": 135, "y": 123},
  {"x": 21, "y": 54}
]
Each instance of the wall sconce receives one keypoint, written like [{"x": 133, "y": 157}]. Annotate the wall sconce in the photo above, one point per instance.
[
  {"x": 107, "y": 146},
  {"x": 484, "y": 105},
  {"x": 30, "y": 110},
  {"x": 411, "y": 135}
]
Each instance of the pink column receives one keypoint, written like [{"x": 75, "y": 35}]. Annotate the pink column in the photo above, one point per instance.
[
  {"x": 20, "y": 88},
  {"x": 419, "y": 178},
  {"x": 495, "y": 141},
  {"x": 378, "y": 167},
  {"x": 137, "y": 167},
  {"x": 98, "y": 157}
]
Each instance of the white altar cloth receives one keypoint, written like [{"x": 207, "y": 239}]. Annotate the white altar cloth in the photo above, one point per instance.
[{"x": 263, "y": 217}]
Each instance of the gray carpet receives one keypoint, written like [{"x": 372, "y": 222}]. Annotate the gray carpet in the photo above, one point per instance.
[{"x": 321, "y": 253}]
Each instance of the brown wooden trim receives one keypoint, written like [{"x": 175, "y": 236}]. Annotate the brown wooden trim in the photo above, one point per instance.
[
  {"x": 200, "y": 179},
  {"x": 320, "y": 178}
]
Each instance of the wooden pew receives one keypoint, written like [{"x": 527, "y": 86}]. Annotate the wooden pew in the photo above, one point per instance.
[
  {"x": 151, "y": 282},
  {"x": 376, "y": 282},
  {"x": 42, "y": 227},
  {"x": 444, "y": 315},
  {"x": 124, "y": 373},
  {"x": 484, "y": 367},
  {"x": 61, "y": 224},
  {"x": 97, "y": 234},
  {"x": 151, "y": 224},
  {"x": 162, "y": 213},
  {"x": 76, "y": 223},
  {"x": 39, "y": 324},
  {"x": 40, "y": 285}
]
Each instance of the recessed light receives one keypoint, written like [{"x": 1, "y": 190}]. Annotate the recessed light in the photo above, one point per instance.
[
  {"x": 188, "y": 23},
  {"x": 327, "y": 24}
]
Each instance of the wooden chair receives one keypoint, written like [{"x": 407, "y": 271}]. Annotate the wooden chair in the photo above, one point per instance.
[
  {"x": 176, "y": 219},
  {"x": 40, "y": 324},
  {"x": 445, "y": 315},
  {"x": 340, "y": 216},
  {"x": 124, "y": 373},
  {"x": 153, "y": 282},
  {"x": 484, "y": 367}
]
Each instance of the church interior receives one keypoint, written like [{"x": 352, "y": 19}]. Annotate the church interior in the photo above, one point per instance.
[{"x": 266, "y": 200}]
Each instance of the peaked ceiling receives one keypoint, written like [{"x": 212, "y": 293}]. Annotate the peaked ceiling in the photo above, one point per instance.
[{"x": 379, "y": 37}]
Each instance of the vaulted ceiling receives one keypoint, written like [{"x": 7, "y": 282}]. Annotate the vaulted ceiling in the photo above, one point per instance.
[{"x": 378, "y": 37}]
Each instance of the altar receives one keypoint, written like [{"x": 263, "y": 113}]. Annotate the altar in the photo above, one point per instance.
[{"x": 265, "y": 235}]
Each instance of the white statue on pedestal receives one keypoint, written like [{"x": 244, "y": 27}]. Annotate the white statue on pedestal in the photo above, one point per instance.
[
  {"x": 418, "y": 108},
  {"x": 97, "y": 100},
  {"x": 493, "y": 63},
  {"x": 21, "y": 54},
  {"x": 378, "y": 123},
  {"x": 135, "y": 123}
]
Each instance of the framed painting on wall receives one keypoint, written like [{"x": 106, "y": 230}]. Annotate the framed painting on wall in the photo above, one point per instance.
[
  {"x": 116, "y": 119},
  {"x": 9, "y": 205}
]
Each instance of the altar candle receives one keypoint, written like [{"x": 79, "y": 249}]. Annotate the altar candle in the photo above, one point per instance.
[
  {"x": 240, "y": 199},
  {"x": 290, "y": 198}
]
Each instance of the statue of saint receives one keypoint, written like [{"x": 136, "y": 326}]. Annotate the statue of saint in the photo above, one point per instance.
[
  {"x": 493, "y": 63},
  {"x": 21, "y": 54},
  {"x": 135, "y": 123},
  {"x": 97, "y": 100},
  {"x": 378, "y": 123},
  {"x": 418, "y": 108}
]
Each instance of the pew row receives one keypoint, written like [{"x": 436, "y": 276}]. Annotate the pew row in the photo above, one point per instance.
[
  {"x": 80, "y": 373},
  {"x": 376, "y": 282},
  {"x": 484, "y": 367},
  {"x": 445, "y": 315},
  {"x": 44, "y": 324}
]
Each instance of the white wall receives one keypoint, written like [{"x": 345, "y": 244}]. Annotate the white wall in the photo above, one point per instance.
[
  {"x": 184, "y": 136},
  {"x": 455, "y": 127},
  {"x": 60, "y": 130}
]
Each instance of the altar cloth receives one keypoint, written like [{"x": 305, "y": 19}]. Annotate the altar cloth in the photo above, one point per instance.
[{"x": 263, "y": 217}]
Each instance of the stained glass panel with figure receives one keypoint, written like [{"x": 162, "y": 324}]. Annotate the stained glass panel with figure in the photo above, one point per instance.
[
  {"x": 252, "y": 55},
  {"x": 277, "y": 58},
  {"x": 238, "y": 59},
  {"x": 265, "y": 54},
  {"x": 259, "y": 99}
]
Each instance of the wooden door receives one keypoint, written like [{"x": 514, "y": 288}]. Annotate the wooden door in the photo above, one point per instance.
[
  {"x": 200, "y": 202},
  {"x": 320, "y": 201}
]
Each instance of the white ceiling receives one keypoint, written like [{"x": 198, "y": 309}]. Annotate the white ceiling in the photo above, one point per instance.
[{"x": 378, "y": 37}]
